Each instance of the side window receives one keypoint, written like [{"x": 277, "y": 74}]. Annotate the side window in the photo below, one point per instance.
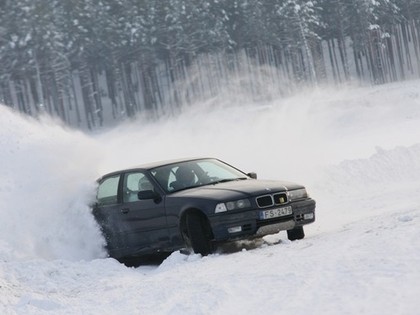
[
  {"x": 161, "y": 176},
  {"x": 108, "y": 191},
  {"x": 133, "y": 183}
]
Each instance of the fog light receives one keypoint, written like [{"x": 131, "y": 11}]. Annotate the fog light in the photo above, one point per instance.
[
  {"x": 308, "y": 216},
  {"x": 235, "y": 229}
]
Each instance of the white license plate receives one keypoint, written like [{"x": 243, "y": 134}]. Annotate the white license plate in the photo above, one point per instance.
[{"x": 275, "y": 213}]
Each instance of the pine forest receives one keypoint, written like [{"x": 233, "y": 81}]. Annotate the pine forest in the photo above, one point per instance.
[{"x": 92, "y": 63}]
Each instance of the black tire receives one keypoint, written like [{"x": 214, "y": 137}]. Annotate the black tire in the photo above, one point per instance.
[
  {"x": 296, "y": 233},
  {"x": 199, "y": 234}
]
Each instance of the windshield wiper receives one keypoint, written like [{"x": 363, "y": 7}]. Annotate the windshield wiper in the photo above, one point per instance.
[{"x": 228, "y": 180}]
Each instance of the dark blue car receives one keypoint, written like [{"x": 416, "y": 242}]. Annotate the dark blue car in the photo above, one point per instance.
[{"x": 194, "y": 204}]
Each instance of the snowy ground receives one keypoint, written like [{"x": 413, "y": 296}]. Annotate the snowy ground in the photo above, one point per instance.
[{"x": 356, "y": 149}]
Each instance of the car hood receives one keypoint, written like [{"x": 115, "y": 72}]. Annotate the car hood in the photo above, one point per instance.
[{"x": 237, "y": 189}]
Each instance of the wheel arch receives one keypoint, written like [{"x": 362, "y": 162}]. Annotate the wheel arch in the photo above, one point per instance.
[{"x": 183, "y": 219}]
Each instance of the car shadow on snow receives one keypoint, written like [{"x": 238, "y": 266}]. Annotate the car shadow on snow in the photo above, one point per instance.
[
  {"x": 149, "y": 260},
  {"x": 225, "y": 248},
  {"x": 244, "y": 245}
]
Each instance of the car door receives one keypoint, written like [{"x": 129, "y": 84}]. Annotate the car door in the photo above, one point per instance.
[
  {"x": 107, "y": 212},
  {"x": 143, "y": 222}
]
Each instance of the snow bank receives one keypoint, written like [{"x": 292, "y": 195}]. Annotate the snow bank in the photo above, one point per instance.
[{"x": 353, "y": 190}]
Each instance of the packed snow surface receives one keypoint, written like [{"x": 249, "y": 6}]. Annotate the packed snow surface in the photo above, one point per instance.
[{"x": 357, "y": 150}]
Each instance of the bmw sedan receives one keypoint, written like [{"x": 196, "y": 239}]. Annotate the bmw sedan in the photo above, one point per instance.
[{"x": 194, "y": 204}]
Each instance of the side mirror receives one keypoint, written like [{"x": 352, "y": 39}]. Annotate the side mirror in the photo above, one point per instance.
[
  {"x": 252, "y": 175},
  {"x": 149, "y": 194}
]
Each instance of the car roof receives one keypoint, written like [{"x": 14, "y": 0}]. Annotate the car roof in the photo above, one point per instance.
[
  {"x": 152, "y": 165},
  {"x": 168, "y": 162}
]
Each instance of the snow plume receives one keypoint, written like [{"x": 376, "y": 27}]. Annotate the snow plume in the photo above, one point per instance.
[
  {"x": 324, "y": 138},
  {"x": 286, "y": 137},
  {"x": 47, "y": 181}
]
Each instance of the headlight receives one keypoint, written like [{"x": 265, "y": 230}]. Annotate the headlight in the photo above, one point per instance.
[
  {"x": 232, "y": 205},
  {"x": 297, "y": 194}
]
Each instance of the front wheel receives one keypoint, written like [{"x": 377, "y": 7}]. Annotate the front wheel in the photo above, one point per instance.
[
  {"x": 199, "y": 234},
  {"x": 296, "y": 233}
]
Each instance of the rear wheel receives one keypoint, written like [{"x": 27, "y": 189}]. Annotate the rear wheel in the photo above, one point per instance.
[
  {"x": 199, "y": 234},
  {"x": 296, "y": 233}
]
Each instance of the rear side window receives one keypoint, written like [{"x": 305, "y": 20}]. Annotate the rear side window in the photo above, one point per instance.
[{"x": 108, "y": 191}]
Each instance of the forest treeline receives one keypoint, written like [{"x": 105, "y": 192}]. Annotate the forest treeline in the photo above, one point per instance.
[{"x": 90, "y": 62}]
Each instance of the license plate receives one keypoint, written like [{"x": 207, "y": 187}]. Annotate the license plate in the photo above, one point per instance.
[{"x": 275, "y": 213}]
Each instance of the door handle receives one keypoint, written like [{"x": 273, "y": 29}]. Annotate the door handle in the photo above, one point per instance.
[{"x": 125, "y": 210}]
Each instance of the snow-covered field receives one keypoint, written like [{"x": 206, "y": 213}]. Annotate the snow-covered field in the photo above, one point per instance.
[{"x": 356, "y": 149}]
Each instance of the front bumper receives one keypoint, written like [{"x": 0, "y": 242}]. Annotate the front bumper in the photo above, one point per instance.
[{"x": 247, "y": 224}]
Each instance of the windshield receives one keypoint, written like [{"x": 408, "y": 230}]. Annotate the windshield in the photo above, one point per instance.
[{"x": 184, "y": 175}]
